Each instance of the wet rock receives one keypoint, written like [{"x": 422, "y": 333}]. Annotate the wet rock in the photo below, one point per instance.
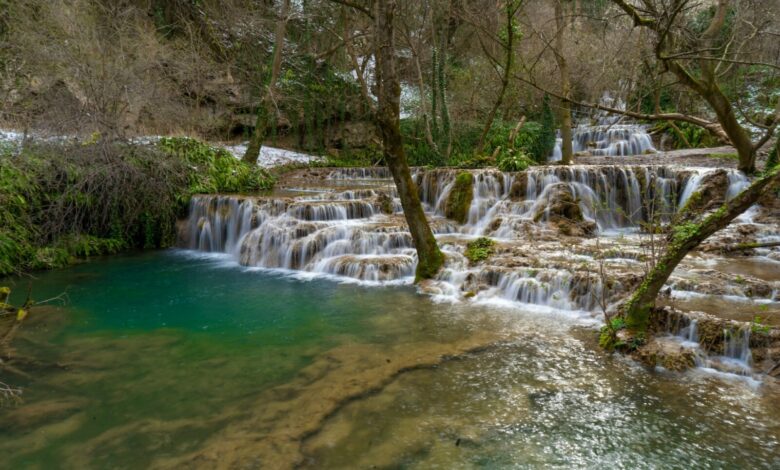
[
  {"x": 385, "y": 203},
  {"x": 710, "y": 194},
  {"x": 519, "y": 187},
  {"x": 667, "y": 353},
  {"x": 563, "y": 211}
]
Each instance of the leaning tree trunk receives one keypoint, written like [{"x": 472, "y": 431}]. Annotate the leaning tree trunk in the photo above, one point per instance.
[
  {"x": 738, "y": 136},
  {"x": 430, "y": 258},
  {"x": 687, "y": 237},
  {"x": 266, "y": 109}
]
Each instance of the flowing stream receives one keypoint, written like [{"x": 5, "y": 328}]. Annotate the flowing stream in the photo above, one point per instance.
[
  {"x": 183, "y": 359},
  {"x": 240, "y": 349}
]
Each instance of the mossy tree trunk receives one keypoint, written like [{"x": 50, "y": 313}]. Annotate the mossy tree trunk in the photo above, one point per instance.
[
  {"x": 511, "y": 8},
  {"x": 685, "y": 238},
  {"x": 567, "y": 152},
  {"x": 430, "y": 258},
  {"x": 267, "y": 105}
]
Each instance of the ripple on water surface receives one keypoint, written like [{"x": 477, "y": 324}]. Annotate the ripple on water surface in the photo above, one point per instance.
[{"x": 166, "y": 359}]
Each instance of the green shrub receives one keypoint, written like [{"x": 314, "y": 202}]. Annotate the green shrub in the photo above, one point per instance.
[
  {"x": 774, "y": 157},
  {"x": 515, "y": 160},
  {"x": 215, "y": 169},
  {"x": 59, "y": 202},
  {"x": 689, "y": 135},
  {"x": 532, "y": 141}
]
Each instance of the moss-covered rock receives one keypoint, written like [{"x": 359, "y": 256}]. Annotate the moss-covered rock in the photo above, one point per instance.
[
  {"x": 480, "y": 249},
  {"x": 385, "y": 203},
  {"x": 459, "y": 199},
  {"x": 562, "y": 210},
  {"x": 711, "y": 194},
  {"x": 667, "y": 353}
]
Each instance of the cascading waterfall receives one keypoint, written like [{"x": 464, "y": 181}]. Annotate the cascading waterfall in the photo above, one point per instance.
[
  {"x": 736, "y": 356},
  {"x": 342, "y": 230},
  {"x": 737, "y": 351},
  {"x": 610, "y": 136}
]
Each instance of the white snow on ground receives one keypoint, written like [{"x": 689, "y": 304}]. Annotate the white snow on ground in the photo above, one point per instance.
[
  {"x": 7, "y": 135},
  {"x": 269, "y": 156}
]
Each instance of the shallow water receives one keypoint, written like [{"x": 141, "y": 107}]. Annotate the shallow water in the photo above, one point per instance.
[{"x": 174, "y": 359}]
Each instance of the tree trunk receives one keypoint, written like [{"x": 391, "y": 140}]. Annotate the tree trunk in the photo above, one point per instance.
[
  {"x": 445, "y": 111},
  {"x": 423, "y": 107},
  {"x": 686, "y": 238},
  {"x": 267, "y": 104},
  {"x": 567, "y": 152},
  {"x": 430, "y": 258},
  {"x": 740, "y": 139},
  {"x": 504, "y": 79}
]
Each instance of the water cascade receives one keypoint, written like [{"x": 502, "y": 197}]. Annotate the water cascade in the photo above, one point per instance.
[
  {"x": 607, "y": 135},
  {"x": 339, "y": 224}
]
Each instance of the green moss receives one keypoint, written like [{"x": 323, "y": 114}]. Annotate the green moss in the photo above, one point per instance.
[
  {"x": 459, "y": 199},
  {"x": 428, "y": 270},
  {"x": 757, "y": 327},
  {"x": 480, "y": 249}
]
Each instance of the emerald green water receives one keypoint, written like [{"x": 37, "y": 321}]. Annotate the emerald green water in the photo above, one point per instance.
[{"x": 166, "y": 355}]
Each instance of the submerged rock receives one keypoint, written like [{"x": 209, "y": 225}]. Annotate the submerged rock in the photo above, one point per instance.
[{"x": 667, "y": 353}]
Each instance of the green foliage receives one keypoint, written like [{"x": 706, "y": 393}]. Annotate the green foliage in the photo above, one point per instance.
[
  {"x": 352, "y": 158},
  {"x": 465, "y": 137},
  {"x": 480, "y": 249},
  {"x": 682, "y": 232},
  {"x": 617, "y": 323},
  {"x": 513, "y": 160},
  {"x": 317, "y": 94},
  {"x": 215, "y": 169},
  {"x": 757, "y": 327},
  {"x": 687, "y": 135},
  {"x": 607, "y": 339},
  {"x": 545, "y": 143},
  {"x": 533, "y": 144},
  {"x": 773, "y": 160},
  {"x": 476, "y": 161},
  {"x": 61, "y": 202}
]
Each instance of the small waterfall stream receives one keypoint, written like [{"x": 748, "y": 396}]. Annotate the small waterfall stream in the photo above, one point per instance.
[
  {"x": 607, "y": 135},
  {"x": 607, "y": 140}
]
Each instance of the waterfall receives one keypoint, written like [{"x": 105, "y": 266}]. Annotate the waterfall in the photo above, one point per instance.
[
  {"x": 610, "y": 136},
  {"x": 348, "y": 223},
  {"x": 737, "y": 349}
]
